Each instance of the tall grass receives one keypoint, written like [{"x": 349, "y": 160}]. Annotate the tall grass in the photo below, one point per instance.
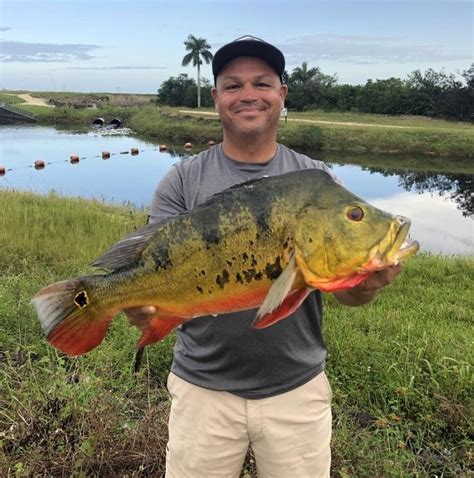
[{"x": 400, "y": 368}]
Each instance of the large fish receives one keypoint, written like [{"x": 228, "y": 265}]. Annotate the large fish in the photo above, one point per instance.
[{"x": 263, "y": 244}]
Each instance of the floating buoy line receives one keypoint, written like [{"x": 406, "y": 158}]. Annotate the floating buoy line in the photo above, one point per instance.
[{"x": 75, "y": 158}]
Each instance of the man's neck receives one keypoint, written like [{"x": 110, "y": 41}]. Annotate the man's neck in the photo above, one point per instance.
[{"x": 249, "y": 150}]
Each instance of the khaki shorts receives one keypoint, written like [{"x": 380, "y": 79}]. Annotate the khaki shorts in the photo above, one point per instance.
[{"x": 210, "y": 431}]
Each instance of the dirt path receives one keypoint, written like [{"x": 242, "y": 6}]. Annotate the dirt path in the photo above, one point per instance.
[
  {"x": 31, "y": 100},
  {"x": 343, "y": 123}
]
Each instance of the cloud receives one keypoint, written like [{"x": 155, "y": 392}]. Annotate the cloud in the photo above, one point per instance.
[
  {"x": 15, "y": 51},
  {"x": 4, "y": 29},
  {"x": 364, "y": 49},
  {"x": 124, "y": 67}
]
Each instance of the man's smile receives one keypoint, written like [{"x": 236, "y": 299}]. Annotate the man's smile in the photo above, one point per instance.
[{"x": 249, "y": 109}]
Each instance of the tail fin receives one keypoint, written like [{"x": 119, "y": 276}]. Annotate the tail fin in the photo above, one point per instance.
[{"x": 69, "y": 322}]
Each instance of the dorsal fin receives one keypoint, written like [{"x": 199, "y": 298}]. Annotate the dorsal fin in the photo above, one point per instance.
[{"x": 125, "y": 253}]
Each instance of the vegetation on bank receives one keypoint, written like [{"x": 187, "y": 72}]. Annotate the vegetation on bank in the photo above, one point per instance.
[
  {"x": 11, "y": 99},
  {"x": 400, "y": 368},
  {"x": 304, "y": 131}
]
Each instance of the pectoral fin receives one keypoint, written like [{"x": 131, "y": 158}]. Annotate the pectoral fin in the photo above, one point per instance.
[{"x": 282, "y": 298}]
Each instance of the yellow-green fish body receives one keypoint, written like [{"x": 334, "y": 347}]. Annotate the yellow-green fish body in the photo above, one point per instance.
[{"x": 266, "y": 243}]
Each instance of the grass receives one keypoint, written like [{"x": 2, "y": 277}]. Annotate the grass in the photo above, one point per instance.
[
  {"x": 11, "y": 99},
  {"x": 394, "y": 134},
  {"x": 400, "y": 368},
  {"x": 378, "y": 119}
]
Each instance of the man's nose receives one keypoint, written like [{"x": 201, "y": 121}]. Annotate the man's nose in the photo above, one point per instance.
[{"x": 248, "y": 92}]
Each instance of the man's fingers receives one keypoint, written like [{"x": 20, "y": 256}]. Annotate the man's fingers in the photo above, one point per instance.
[
  {"x": 146, "y": 309},
  {"x": 140, "y": 316},
  {"x": 385, "y": 276}
]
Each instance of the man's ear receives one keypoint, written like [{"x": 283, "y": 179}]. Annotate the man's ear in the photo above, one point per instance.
[{"x": 214, "y": 96}]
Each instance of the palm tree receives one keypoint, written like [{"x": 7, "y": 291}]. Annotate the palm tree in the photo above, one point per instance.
[
  {"x": 198, "y": 50},
  {"x": 302, "y": 75}
]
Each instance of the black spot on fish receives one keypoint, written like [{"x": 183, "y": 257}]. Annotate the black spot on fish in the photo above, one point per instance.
[
  {"x": 257, "y": 236},
  {"x": 229, "y": 263},
  {"x": 251, "y": 243},
  {"x": 310, "y": 240},
  {"x": 203, "y": 273},
  {"x": 81, "y": 299},
  {"x": 258, "y": 275},
  {"x": 287, "y": 242},
  {"x": 200, "y": 289},
  {"x": 238, "y": 278},
  {"x": 161, "y": 257},
  {"x": 223, "y": 279},
  {"x": 263, "y": 222},
  {"x": 261, "y": 209},
  {"x": 253, "y": 262},
  {"x": 245, "y": 257},
  {"x": 249, "y": 275},
  {"x": 272, "y": 271},
  {"x": 208, "y": 226}
]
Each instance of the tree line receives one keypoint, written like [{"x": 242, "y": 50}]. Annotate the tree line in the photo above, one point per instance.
[{"x": 430, "y": 93}]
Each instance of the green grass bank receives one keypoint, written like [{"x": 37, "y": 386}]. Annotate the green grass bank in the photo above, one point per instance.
[
  {"x": 313, "y": 130},
  {"x": 400, "y": 368}
]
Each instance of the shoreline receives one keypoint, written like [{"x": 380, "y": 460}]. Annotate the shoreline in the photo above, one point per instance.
[{"x": 437, "y": 140}]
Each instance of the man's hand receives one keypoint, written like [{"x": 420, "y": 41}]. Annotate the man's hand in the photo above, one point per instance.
[
  {"x": 368, "y": 289},
  {"x": 140, "y": 316}
]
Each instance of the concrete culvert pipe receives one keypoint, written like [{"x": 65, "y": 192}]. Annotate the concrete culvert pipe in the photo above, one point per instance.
[
  {"x": 98, "y": 122},
  {"x": 116, "y": 123}
]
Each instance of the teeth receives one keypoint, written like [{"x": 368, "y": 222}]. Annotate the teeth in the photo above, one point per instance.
[{"x": 407, "y": 242}]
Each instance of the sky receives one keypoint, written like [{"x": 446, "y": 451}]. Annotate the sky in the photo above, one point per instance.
[{"x": 132, "y": 46}]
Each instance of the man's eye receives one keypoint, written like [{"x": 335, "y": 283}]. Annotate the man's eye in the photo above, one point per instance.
[
  {"x": 262, "y": 84},
  {"x": 232, "y": 87}
]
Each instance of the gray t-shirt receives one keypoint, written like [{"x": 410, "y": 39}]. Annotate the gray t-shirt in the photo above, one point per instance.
[{"x": 224, "y": 352}]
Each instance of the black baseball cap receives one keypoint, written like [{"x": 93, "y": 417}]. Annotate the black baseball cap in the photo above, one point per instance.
[{"x": 248, "y": 46}]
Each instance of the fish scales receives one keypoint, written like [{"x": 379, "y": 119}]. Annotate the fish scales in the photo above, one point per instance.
[
  {"x": 200, "y": 257},
  {"x": 266, "y": 243}
]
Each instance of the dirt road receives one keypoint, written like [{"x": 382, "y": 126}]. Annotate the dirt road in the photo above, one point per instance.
[{"x": 343, "y": 123}]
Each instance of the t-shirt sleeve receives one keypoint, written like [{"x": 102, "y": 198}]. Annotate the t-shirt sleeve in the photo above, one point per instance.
[{"x": 168, "y": 198}]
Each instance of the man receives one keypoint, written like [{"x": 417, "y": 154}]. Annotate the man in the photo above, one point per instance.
[{"x": 232, "y": 385}]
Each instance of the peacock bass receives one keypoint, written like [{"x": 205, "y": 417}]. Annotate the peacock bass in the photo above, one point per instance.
[{"x": 264, "y": 244}]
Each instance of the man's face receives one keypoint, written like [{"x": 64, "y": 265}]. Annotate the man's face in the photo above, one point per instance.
[{"x": 249, "y": 96}]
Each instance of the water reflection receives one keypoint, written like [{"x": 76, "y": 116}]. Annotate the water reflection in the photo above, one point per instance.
[
  {"x": 436, "y": 223},
  {"x": 440, "y": 205},
  {"x": 459, "y": 187}
]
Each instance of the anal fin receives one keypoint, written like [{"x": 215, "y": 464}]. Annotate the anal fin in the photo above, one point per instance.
[{"x": 158, "y": 328}]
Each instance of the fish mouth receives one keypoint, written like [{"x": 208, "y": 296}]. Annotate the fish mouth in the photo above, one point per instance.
[{"x": 396, "y": 247}]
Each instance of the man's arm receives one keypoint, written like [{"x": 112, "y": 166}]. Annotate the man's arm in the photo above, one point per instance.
[{"x": 367, "y": 290}]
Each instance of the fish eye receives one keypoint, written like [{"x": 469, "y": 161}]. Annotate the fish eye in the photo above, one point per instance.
[{"x": 355, "y": 213}]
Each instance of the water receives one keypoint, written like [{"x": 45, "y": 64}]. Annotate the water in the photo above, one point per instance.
[{"x": 441, "y": 206}]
